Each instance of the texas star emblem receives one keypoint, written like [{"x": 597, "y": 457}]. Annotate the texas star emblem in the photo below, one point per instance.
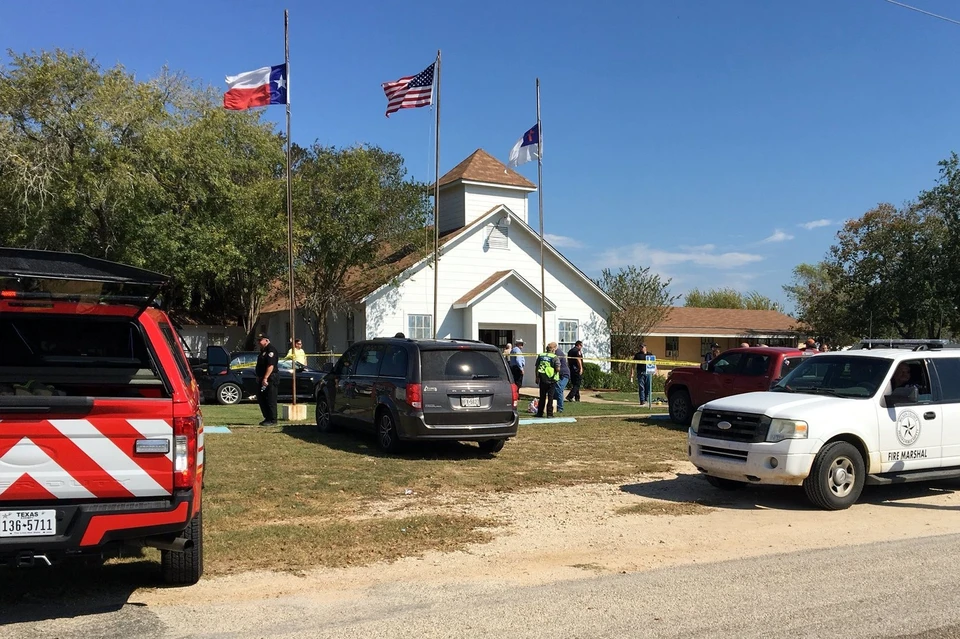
[{"x": 908, "y": 428}]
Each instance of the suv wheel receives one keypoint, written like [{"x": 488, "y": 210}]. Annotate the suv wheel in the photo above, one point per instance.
[
  {"x": 229, "y": 394},
  {"x": 681, "y": 411},
  {"x": 387, "y": 438},
  {"x": 492, "y": 445},
  {"x": 185, "y": 568},
  {"x": 836, "y": 477},
  {"x": 324, "y": 424}
]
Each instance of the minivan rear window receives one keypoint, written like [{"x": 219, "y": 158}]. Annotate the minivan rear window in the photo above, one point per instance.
[{"x": 439, "y": 365}]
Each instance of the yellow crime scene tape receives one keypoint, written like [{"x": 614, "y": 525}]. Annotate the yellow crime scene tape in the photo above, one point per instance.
[{"x": 666, "y": 363}]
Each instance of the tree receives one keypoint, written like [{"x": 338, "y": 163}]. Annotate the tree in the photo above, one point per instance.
[
  {"x": 644, "y": 300},
  {"x": 890, "y": 274},
  {"x": 730, "y": 298},
  {"x": 943, "y": 202},
  {"x": 820, "y": 311},
  {"x": 154, "y": 174},
  {"x": 355, "y": 207}
]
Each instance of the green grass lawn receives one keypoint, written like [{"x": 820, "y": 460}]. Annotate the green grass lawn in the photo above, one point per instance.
[
  {"x": 616, "y": 396},
  {"x": 288, "y": 497},
  {"x": 249, "y": 414}
]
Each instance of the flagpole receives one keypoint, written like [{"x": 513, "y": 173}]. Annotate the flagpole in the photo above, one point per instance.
[
  {"x": 436, "y": 208},
  {"x": 543, "y": 277},
  {"x": 293, "y": 309}
]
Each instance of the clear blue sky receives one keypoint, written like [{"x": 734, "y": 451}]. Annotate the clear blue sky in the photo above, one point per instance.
[{"x": 697, "y": 137}]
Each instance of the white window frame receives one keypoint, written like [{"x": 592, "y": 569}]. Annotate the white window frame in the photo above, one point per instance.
[
  {"x": 420, "y": 326},
  {"x": 671, "y": 353},
  {"x": 563, "y": 344}
]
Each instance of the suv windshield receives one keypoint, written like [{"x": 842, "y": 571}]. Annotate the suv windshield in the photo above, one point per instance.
[
  {"x": 439, "y": 365},
  {"x": 840, "y": 375}
]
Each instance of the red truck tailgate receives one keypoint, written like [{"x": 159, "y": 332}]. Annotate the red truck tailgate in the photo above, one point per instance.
[{"x": 93, "y": 455}]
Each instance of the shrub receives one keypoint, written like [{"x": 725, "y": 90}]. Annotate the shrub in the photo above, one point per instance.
[{"x": 593, "y": 377}]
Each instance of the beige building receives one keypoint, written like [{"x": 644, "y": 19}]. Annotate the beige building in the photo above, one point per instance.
[{"x": 687, "y": 333}]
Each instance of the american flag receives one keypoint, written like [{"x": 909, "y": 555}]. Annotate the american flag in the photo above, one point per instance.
[{"x": 410, "y": 92}]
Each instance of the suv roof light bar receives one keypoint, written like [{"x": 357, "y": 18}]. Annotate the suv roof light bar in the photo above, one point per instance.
[{"x": 911, "y": 344}]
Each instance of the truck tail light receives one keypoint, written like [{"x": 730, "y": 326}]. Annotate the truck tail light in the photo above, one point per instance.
[
  {"x": 516, "y": 394},
  {"x": 185, "y": 435},
  {"x": 415, "y": 396}
]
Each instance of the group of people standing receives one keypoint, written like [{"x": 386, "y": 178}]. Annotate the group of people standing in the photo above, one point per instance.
[{"x": 553, "y": 372}]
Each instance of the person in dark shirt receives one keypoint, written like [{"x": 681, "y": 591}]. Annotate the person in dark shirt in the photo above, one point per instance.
[
  {"x": 269, "y": 380},
  {"x": 575, "y": 360},
  {"x": 714, "y": 351},
  {"x": 641, "y": 359}
]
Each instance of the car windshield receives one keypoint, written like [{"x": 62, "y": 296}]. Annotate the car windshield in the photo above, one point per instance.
[{"x": 836, "y": 375}]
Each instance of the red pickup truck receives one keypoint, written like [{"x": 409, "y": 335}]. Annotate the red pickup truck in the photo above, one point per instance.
[{"x": 738, "y": 370}]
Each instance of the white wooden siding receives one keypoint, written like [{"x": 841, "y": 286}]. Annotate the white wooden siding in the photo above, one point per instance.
[
  {"x": 478, "y": 200},
  {"x": 451, "y": 210},
  {"x": 464, "y": 264}
]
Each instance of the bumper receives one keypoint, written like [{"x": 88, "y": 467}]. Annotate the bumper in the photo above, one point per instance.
[
  {"x": 93, "y": 528},
  {"x": 413, "y": 428},
  {"x": 763, "y": 463}
]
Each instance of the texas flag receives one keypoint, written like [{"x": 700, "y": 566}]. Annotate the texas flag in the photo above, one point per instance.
[
  {"x": 262, "y": 87},
  {"x": 526, "y": 148}
]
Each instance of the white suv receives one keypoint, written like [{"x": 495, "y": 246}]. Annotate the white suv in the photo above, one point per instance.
[{"x": 838, "y": 421}]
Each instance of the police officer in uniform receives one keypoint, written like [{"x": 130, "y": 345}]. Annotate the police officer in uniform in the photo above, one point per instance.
[{"x": 269, "y": 380}]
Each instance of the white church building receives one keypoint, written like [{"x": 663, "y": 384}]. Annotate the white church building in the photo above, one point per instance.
[{"x": 489, "y": 278}]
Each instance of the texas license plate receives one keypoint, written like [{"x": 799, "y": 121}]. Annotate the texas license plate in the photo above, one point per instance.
[
  {"x": 28, "y": 523},
  {"x": 470, "y": 402}
]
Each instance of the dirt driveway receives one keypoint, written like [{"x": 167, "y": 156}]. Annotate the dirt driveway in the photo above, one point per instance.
[{"x": 567, "y": 533}]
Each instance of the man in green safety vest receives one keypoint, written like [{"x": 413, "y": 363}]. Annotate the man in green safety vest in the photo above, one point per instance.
[{"x": 548, "y": 373}]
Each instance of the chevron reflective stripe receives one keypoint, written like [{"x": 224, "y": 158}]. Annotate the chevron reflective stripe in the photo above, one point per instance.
[
  {"x": 108, "y": 456},
  {"x": 80, "y": 469},
  {"x": 45, "y": 478}
]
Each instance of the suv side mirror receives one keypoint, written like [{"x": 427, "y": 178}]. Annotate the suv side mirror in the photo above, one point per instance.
[
  {"x": 903, "y": 395},
  {"x": 705, "y": 366}
]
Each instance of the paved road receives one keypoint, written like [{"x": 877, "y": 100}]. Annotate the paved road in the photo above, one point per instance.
[{"x": 899, "y": 589}]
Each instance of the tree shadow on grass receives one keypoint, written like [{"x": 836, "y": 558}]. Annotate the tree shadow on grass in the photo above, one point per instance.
[
  {"x": 361, "y": 443},
  {"x": 74, "y": 588}
]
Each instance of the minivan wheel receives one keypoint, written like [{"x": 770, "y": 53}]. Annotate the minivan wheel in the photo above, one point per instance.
[
  {"x": 681, "y": 411},
  {"x": 324, "y": 425},
  {"x": 387, "y": 438},
  {"x": 492, "y": 445},
  {"x": 229, "y": 394},
  {"x": 836, "y": 477}
]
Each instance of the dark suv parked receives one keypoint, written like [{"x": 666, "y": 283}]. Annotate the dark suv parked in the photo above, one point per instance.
[{"x": 404, "y": 389}]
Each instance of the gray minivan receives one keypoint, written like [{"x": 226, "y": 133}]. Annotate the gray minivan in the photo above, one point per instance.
[{"x": 407, "y": 390}]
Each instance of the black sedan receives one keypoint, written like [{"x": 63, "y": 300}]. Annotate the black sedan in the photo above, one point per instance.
[{"x": 228, "y": 378}]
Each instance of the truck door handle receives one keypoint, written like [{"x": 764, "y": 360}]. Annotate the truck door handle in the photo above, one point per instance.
[{"x": 929, "y": 415}]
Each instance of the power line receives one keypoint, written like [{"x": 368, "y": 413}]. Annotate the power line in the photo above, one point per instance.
[{"x": 934, "y": 15}]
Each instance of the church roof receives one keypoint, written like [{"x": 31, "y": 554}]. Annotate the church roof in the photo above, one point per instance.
[{"x": 480, "y": 166}]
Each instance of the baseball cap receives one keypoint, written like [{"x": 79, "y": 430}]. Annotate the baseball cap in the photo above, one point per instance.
[
  {"x": 714, "y": 345},
  {"x": 262, "y": 336},
  {"x": 519, "y": 340}
]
